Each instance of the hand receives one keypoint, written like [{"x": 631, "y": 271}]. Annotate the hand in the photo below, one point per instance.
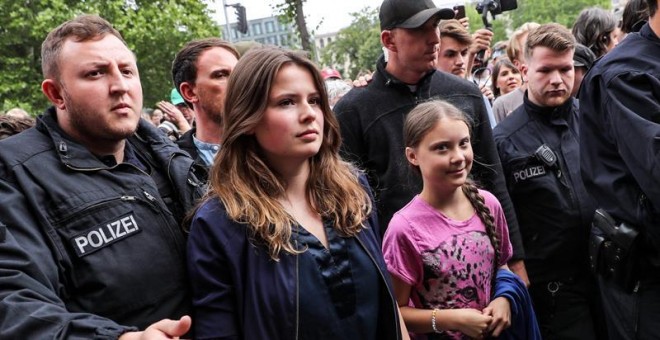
[
  {"x": 470, "y": 322},
  {"x": 500, "y": 310},
  {"x": 518, "y": 266},
  {"x": 363, "y": 81},
  {"x": 465, "y": 22},
  {"x": 163, "y": 329},
  {"x": 174, "y": 115},
  {"x": 486, "y": 91},
  {"x": 482, "y": 40}
]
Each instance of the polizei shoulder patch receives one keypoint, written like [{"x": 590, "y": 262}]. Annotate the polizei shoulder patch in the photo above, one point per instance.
[{"x": 105, "y": 234}]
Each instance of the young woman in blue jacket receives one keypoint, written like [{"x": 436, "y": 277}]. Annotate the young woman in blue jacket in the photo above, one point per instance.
[{"x": 285, "y": 246}]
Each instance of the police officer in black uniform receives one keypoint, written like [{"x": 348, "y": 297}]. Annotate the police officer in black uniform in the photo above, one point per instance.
[
  {"x": 91, "y": 201},
  {"x": 619, "y": 129},
  {"x": 538, "y": 146}
]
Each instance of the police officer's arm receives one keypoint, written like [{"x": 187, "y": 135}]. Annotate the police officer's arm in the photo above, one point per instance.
[
  {"x": 29, "y": 305},
  {"x": 632, "y": 118},
  {"x": 488, "y": 172}
]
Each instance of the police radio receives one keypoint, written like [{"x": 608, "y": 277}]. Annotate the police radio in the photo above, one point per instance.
[{"x": 547, "y": 156}]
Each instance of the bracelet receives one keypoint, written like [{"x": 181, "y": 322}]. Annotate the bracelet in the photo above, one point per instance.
[{"x": 435, "y": 328}]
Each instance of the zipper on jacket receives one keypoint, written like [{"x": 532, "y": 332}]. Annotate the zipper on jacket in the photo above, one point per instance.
[
  {"x": 153, "y": 203},
  {"x": 95, "y": 205},
  {"x": 297, "y": 291},
  {"x": 382, "y": 276}
]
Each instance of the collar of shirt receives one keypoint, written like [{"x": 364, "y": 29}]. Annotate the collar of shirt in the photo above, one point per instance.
[
  {"x": 129, "y": 157},
  {"x": 206, "y": 151}
]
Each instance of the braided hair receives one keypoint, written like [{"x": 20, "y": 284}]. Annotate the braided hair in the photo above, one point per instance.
[
  {"x": 417, "y": 124},
  {"x": 478, "y": 202}
]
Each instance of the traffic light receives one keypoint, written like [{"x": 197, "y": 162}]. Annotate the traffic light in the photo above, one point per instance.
[{"x": 242, "y": 24}]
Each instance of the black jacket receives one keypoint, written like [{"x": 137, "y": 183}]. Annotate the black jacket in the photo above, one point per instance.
[
  {"x": 620, "y": 129},
  {"x": 554, "y": 210},
  {"x": 371, "y": 120},
  {"x": 91, "y": 250},
  {"x": 187, "y": 144}
]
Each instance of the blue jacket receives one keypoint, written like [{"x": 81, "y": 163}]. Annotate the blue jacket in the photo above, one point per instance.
[
  {"x": 554, "y": 210},
  {"x": 239, "y": 292},
  {"x": 523, "y": 319},
  {"x": 620, "y": 129}
]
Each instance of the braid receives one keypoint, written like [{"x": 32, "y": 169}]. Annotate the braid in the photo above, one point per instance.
[{"x": 470, "y": 190}]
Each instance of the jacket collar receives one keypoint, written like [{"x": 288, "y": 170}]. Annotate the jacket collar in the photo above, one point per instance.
[
  {"x": 648, "y": 33},
  {"x": 556, "y": 115},
  {"x": 390, "y": 80},
  {"x": 77, "y": 156}
]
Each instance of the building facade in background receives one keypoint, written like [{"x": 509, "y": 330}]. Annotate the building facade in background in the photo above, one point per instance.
[{"x": 267, "y": 31}]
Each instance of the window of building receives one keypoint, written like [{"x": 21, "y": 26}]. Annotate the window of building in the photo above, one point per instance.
[
  {"x": 256, "y": 28},
  {"x": 270, "y": 27}
]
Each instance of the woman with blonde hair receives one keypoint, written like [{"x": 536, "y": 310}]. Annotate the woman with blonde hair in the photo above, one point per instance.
[{"x": 285, "y": 245}]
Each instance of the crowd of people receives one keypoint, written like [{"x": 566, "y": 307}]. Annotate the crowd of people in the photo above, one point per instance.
[{"x": 465, "y": 190}]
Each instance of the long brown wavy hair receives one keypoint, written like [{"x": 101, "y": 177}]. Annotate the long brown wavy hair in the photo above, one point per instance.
[
  {"x": 245, "y": 183},
  {"x": 422, "y": 119}
]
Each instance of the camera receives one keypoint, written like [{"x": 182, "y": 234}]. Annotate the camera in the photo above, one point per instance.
[
  {"x": 460, "y": 12},
  {"x": 494, "y": 7}
]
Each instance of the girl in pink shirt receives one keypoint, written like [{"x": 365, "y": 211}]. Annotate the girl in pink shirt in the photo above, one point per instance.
[{"x": 445, "y": 246}]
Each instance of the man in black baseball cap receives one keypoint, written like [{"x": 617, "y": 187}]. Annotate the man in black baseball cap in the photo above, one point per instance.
[
  {"x": 371, "y": 117},
  {"x": 583, "y": 59},
  {"x": 410, "y": 14}
]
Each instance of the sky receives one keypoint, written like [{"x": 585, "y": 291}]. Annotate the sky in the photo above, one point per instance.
[{"x": 328, "y": 15}]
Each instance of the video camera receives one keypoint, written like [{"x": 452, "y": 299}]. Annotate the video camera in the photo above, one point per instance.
[{"x": 494, "y": 7}]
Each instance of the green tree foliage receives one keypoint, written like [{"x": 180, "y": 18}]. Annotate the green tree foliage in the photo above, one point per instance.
[
  {"x": 155, "y": 30},
  {"x": 357, "y": 46},
  {"x": 546, "y": 11}
]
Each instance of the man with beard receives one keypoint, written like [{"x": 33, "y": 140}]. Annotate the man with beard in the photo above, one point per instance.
[
  {"x": 539, "y": 149},
  {"x": 91, "y": 202},
  {"x": 200, "y": 71}
]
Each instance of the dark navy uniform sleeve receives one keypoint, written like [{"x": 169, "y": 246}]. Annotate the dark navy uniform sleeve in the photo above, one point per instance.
[
  {"x": 30, "y": 307},
  {"x": 620, "y": 139},
  {"x": 635, "y": 120}
]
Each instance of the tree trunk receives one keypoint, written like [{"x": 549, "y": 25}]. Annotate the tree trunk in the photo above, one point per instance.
[{"x": 302, "y": 26}]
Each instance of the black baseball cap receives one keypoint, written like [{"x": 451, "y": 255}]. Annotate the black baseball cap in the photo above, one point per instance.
[
  {"x": 583, "y": 57},
  {"x": 410, "y": 13}
]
